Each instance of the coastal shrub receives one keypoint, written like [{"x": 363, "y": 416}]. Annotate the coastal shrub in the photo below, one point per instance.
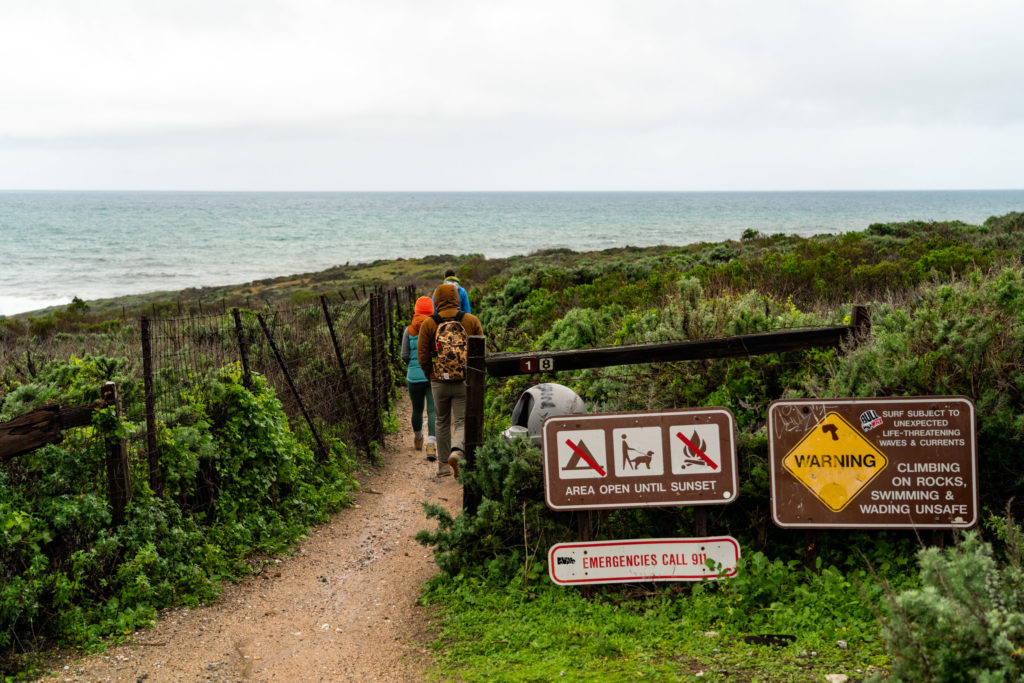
[
  {"x": 581, "y": 328},
  {"x": 966, "y": 620},
  {"x": 237, "y": 481},
  {"x": 964, "y": 337}
]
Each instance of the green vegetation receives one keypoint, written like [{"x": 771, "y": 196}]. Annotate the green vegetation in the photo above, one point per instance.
[
  {"x": 238, "y": 482},
  {"x": 947, "y": 305},
  {"x": 946, "y": 301}
]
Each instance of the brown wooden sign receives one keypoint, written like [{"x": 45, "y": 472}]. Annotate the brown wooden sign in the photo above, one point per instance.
[
  {"x": 620, "y": 460},
  {"x": 893, "y": 463}
]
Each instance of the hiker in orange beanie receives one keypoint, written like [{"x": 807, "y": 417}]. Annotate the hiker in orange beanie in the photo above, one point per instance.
[{"x": 419, "y": 385}]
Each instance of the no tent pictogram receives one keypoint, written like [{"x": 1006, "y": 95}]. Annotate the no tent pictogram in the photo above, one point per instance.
[{"x": 582, "y": 455}]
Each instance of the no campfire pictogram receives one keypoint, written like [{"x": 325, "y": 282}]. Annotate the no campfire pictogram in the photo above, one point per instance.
[{"x": 696, "y": 449}]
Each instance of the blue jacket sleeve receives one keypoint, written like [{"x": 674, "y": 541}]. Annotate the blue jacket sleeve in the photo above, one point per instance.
[{"x": 464, "y": 300}]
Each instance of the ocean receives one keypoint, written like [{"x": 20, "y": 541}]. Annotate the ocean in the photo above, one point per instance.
[{"x": 59, "y": 245}]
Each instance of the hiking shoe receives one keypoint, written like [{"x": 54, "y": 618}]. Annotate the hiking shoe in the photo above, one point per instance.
[
  {"x": 417, "y": 442},
  {"x": 454, "y": 460},
  {"x": 444, "y": 473},
  {"x": 431, "y": 452}
]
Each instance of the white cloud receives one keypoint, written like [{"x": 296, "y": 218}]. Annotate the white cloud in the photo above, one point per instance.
[{"x": 508, "y": 95}]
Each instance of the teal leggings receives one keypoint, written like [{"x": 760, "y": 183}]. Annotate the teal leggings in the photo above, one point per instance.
[{"x": 417, "y": 392}]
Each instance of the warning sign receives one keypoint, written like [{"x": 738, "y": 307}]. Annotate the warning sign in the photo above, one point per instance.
[
  {"x": 835, "y": 461},
  {"x": 874, "y": 463},
  {"x": 617, "y": 460},
  {"x": 648, "y": 559}
]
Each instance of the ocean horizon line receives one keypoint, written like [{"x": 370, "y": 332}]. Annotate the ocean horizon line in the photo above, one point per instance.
[
  {"x": 100, "y": 244},
  {"x": 462, "y": 192}
]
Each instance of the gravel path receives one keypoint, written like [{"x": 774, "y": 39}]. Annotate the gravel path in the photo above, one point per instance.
[{"x": 342, "y": 608}]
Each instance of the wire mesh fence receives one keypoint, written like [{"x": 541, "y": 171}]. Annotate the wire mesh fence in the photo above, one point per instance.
[{"x": 330, "y": 363}]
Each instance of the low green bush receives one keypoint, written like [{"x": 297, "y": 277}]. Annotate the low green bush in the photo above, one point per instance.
[
  {"x": 966, "y": 620},
  {"x": 238, "y": 481}
]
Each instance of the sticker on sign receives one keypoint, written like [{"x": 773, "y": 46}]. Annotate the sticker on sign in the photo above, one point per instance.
[{"x": 647, "y": 559}]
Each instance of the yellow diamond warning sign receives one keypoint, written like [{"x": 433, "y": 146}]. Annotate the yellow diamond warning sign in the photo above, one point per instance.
[{"x": 835, "y": 461}]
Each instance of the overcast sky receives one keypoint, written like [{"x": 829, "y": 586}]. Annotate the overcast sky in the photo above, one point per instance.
[{"x": 521, "y": 95}]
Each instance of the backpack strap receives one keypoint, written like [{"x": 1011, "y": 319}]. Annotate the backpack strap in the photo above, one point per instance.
[
  {"x": 458, "y": 316},
  {"x": 436, "y": 318}
]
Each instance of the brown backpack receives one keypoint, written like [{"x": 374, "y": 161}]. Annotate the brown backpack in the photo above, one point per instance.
[{"x": 451, "y": 348}]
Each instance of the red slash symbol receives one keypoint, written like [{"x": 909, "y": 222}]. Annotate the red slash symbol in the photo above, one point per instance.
[
  {"x": 698, "y": 451},
  {"x": 586, "y": 457}
]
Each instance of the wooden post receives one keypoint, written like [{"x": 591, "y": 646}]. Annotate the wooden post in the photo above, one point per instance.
[
  {"x": 346, "y": 381},
  {"x": 29, "y": 431},
  {"x": 376, "y": 369},
  {"x": 119, "y": 487},
  {"x": 508, "y": 364},
  {"x": 474, "y": 414},
  {"x": 156, "y": 480},
  {"x": 324, "y": 452},
  {"x": 243, "y": 349},
  {"x": 585, "y": 533},
  {"x": 811, "y": 551},
  {"x": 861, "y": 320},
  {"x": 389, "y": 321},
  {"x": 700, "y": 521}
]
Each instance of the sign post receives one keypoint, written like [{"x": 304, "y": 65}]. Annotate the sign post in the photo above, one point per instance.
[
  {"x": 645, "y": 459},
  {"x": 888, "y": 463}
]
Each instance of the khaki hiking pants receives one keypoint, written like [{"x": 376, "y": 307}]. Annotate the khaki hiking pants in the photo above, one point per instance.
[{"x": 450, "y": 404}]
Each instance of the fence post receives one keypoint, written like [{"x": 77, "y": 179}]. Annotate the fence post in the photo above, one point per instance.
[
  {"x": 861, "y": 320},
  {"x": 243, "y": 349},
  {"x": 474, "y": 413},
  {"x": 376, "y": 369},
  {"x": 117, "y": 461},
  {"x": 324, "y": 452},
  {"x": 389, "y": 322},
  {"x": 346, "y": 381},
  {"x": 156, "y": 480}
]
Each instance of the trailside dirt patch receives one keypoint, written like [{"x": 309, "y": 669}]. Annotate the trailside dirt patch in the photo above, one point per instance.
[{"x": 341, "y": 608}]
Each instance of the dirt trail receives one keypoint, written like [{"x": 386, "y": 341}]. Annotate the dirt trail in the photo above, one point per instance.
[{"x": 342, "y": 608}]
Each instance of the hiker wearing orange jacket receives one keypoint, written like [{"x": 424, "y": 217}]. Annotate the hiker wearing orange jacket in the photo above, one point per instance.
[{"x": 449, "y": 395}]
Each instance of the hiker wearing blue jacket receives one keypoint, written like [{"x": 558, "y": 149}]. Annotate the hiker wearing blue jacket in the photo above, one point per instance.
[{"x": 450, "y": 279}]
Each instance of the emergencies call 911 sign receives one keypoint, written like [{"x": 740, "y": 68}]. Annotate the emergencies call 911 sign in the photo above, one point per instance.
[{"x": 894, "y": 463}]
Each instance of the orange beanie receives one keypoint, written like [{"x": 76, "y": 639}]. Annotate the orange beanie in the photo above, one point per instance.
[{"x": 425, "y": 305}]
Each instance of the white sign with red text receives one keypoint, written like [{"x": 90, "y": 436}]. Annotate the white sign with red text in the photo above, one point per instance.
[{"x": 646, "y": 559}]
